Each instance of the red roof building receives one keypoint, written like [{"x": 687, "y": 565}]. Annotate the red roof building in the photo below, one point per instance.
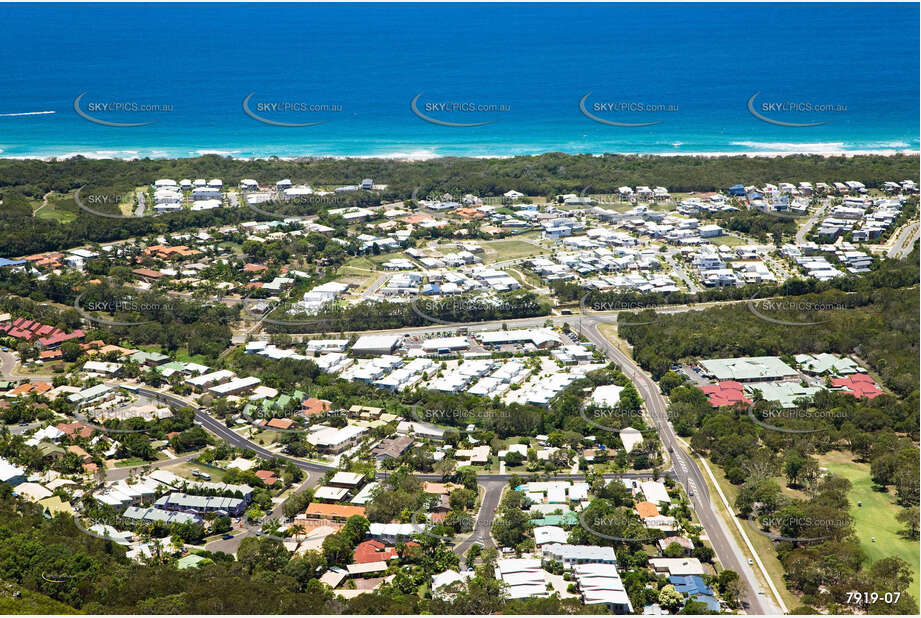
[
  {"x": 726, "y": 393},
  {"x": 76, "y": 429},
  {"x": 858, "y": 385},
  {"x": 147, "y": 273},
  {"x": 646, "y": 510},
  {"x": 30, "y": 330},
  {"x": 312, "y": 406},
  {"x": 267, "y": 476},
  {"x": 372, "y": 551}
]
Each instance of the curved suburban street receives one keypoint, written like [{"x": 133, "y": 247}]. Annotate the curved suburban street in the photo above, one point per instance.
[{"x": 685, "y": 469}]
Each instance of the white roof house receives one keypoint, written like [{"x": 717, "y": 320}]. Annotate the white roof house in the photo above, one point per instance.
[
  {"x": 235, "y": 386},
  {"x": 376, "y": 344},
  {"x": 630, "y": 437},
  {"x": 549, "y": 534},
  {"x": 33, "y": 492},
  {"x": 394, "y": 531},
  {"x": 333, "y": 438},
  {"x": 677, "y": 566},
  {"x": 525, "y": 577},
  {"x": 330, "y": 493},
  {"x": 600, "y": 583},
  {"x": 537, "y": 336},
  {"x": 607, "y": 395},
  {"x": 578, "y": 554},
  {"x": 655, "y": 492},
  {"x": 348, "y": 479},
  {"x": 449, "y": 577},
  {"x": 446, "y": 343}
]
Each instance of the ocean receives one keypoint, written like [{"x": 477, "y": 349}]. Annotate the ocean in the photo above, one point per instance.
[{"x": 429, "y": 80}]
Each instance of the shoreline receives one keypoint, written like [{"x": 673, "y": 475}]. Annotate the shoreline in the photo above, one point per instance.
[{"x": 134, "y": 155}]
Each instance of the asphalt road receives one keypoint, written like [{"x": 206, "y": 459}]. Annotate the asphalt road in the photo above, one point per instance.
[
  {"x": 492, "y": 493},
  {"x": 693, "y": 288},
  {"x": 807, "y": 227},
  {"x": 8, "y": 363},
  {"x": 727, "y": 550},
  {"x": 684, "y": 469},
  {"x": 230, "y": 546},
  {"x": 904, "y": 241}
]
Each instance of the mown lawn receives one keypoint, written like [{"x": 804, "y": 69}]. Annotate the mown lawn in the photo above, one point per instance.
[{"x": 876, "y": 517}]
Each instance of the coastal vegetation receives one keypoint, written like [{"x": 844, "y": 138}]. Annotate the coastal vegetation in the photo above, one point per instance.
[{"x": 541, "y": 175}]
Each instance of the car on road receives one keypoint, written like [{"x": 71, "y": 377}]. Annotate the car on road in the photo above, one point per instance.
[
  {"x": 5, "y": 349},
  {"x": 227, "y": 537}
]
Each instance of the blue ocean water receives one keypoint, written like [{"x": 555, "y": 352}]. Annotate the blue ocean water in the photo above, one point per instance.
[{"x": 521, "y": 68}]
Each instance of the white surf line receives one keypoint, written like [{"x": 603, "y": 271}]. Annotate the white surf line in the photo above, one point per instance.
[
  {"x": 26, "y": 114},
  {"x": 748, "y": 543}
]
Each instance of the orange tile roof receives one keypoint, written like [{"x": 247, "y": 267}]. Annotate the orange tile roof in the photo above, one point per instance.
[
  {"x": 22, "y": 389},
  {"x": 268, "y": 477},
  {"x": 646, "y": 509},
  {"x": 75, "y": 429},
  {"x": 372, "y": 551},
  {"x": 312, "y": 405},
  {"x": 418, "y": 218},
  {"x": 334, "y": 510},
  {"x": 34, "y": 388},
  {"x": 280, "y": 423},
  {"x": 147, "y": 272},
  {"x": 439, "y": 488}
]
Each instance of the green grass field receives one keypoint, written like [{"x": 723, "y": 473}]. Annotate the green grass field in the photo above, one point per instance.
[
  {"x": 501, "y": 250},
  {"x": 729, "y": 241},
  {"x": 60, "y": 208},
  {"x": 876, "y": 517},
  {"x": 185, "y": 470}
]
